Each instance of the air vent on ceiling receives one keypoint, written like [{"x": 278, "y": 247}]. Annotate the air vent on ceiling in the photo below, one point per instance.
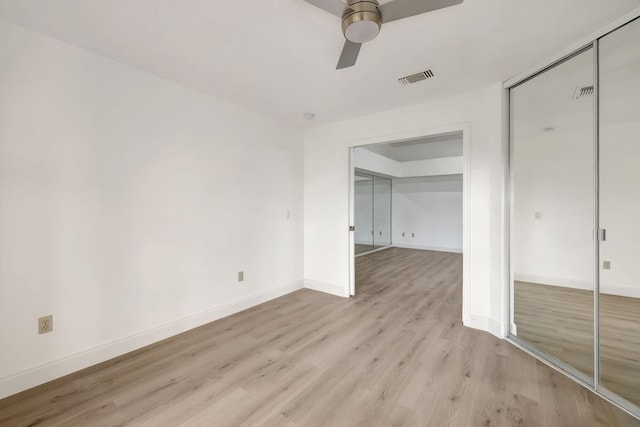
[
  {"x": 583, "y": 92},
  {"x": 414, "y": 78}
]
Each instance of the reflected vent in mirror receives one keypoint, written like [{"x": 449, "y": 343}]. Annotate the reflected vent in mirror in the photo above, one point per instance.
[
  {"x": 583, "y": 92},
  {"x": 417, "y": 77}
]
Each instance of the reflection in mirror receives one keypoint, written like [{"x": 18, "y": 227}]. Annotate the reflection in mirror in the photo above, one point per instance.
[
  {"x": 382, "y": 211},
  {"x": 363, "y": 212},
  {"x": 372, "y": 212},
  {"x": 619, "y": 60},
  {"x": 552, "y": 258}
]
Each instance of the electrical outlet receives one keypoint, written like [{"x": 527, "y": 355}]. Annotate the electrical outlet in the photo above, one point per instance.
[
  {"x": 538, "y": 215},
  {"x": 45, "y": 324},
  {"x": 606, "y": 265},
  {"x": 403, "y": 234},
  {"x": 413, "y": 235},
  {"x": 240, "y": 276}
]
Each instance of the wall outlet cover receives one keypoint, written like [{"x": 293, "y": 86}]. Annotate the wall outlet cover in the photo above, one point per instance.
[{"x": 45, "y": 324}]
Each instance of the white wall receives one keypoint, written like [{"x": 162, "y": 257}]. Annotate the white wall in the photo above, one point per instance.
[
  {"x": 367, "y": 160},
  {"x": 428, "y": 211},
  {"x": 326, "y": 196},
  {"x": 127, "y": 206},
  {"x": 374, "y": 162}
]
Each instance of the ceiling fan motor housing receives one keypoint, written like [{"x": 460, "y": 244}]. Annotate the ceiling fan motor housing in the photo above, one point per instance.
[{"x": 362, "y": 22}]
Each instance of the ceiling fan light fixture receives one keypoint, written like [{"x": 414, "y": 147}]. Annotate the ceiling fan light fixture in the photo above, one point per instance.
[
  {"x": 362, "y": 22},
  {"x": 361, "y": 31}
]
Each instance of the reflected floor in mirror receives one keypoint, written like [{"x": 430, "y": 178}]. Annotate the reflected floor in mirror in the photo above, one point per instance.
[
  {"x": 360, "y": 248},
  {"x": 559, "y": 321}
]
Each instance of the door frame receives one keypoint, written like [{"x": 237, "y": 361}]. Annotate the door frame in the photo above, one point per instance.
[{"x": 465, "y": 128}]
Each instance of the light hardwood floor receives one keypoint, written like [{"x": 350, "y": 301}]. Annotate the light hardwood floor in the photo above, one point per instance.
[
  {"x": 395, "y": 355},
  {"x": 559, "y": 321},
  {"x": 360, "y": 248}
]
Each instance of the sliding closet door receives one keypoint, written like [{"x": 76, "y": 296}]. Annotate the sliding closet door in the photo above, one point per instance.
[
  {"x": 552, "y": 247},
  {"x": 619, "y": 124},
  {"x": 381, "y": 211},
  {"x": 363, "y": 212}
]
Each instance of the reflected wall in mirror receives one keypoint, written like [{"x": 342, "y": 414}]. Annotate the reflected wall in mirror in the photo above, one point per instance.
[
  {"x": 382, "y": 211},
  {"x": 363, "y": 212},
  {"x": 619, "y": 59},
  {"x": 552, "y": 250},
  {"x": 372, "y": 212}
]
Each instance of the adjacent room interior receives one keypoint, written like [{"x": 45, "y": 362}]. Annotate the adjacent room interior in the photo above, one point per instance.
[
  {"x": 407, "y": 201},
  {"x": 319, "y": 212}
]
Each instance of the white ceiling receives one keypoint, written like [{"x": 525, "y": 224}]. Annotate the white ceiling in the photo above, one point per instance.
[
  {"x": 278, "y": 57},
  {"x": 432, "y": 147}
]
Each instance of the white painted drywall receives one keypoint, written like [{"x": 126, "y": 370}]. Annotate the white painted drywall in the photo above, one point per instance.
[
  {"x": 428, "y": 211},
  {"x": 127, "y": 206},
  {"x": 373, "y": 162},
  {"x": 326, "y": 198},
  {"x": 432, "y": 167}
]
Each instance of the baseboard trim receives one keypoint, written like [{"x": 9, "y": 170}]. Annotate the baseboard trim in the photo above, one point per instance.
[
  {"x": 623, "y": 291},
  {"x": 64, "y": 366},
  {"x": 488, "y": 325},
  {"x": 373, "y": 250},
  {"x": 428, "y": 248},
  {"x": 328, "y": 288},
  {"x": 552, "y": 281}
]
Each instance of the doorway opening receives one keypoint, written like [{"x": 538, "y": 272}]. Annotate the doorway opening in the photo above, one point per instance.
[{"x": 420, "y": 203}]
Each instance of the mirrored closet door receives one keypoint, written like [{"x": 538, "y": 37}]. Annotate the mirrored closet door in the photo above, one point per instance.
[
  {"x": 372, "y": 212},
  {"x": 552, "y": 163},
  {"x": 575, "y": 214},
  {"x": 619, "y": 164},
  {"x": 363, "y": 212}
]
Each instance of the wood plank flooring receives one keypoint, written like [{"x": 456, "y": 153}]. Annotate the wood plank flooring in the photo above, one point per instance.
[
  {"x": 394, "y": 355},
  {"x": 559, "y": 321},
  {"x": 361, "y": 248}
]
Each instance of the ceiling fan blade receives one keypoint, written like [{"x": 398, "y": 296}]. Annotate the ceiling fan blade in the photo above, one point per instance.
[
  {"x": 399, "y": 9},
  {"x": 334, "y": 7},
  {"x": 349, "y": 55}
]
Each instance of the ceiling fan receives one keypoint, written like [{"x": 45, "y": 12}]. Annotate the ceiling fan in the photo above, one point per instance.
[{"x": 361, "y": 19}]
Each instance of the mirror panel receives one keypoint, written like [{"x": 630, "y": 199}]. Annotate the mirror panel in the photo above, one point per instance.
[
  {"x": 552, "y": 249},
  {"x": 363, "y": 212},
  {"x": 381, "y": 211},
  {"x": 619, "y": 124}
]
